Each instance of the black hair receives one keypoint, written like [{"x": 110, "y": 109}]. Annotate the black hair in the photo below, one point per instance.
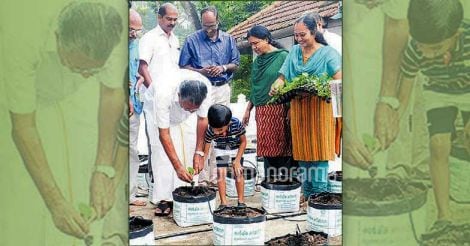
[
  {"x": 193, "y": 91},
  {"x": 262, "y": 32},
  {"x": 318, "y": 18},
  {"x": 210, "y": 9},
  {"x": 92, "y": 28},
  {"x": 309, "y": 21},
  {"x": 432, "y": 21},
  {"x": 163, "y": 8},
  {"x": 219, "y": 116}
]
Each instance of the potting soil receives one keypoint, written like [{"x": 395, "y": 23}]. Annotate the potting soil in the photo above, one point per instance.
[
  {"x": 328, "y": 199},
  {"x": 307, "y": 238},
  {"x": 188, "y": 191},
  {"x": 457, "y": 235},
  {"x": 379, "y": 189},
  {"x": 235, "y": 212}
]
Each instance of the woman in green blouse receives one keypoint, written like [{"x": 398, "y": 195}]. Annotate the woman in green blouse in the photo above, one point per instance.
[{"x": 273, "y": 132}]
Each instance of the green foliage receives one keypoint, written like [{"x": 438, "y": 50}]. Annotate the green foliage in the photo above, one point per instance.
[
  {"x": 87, "y": 212},
  {"x": 310, "y": 83},
  {"x": 370, "y": 142},
  {"x": 232, "y": 13},
  {"x": 190, "y": 170},
  {"x": 241, "y": 79}
]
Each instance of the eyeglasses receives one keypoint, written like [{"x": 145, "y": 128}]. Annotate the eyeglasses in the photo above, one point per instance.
[
  {"x": 137, "y": 32},
  {"x": 213, "y": 26}
]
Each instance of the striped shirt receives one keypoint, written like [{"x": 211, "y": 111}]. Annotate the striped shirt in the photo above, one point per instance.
[
  {"x": 232, "y": 139},
  {"x": 453, "y": 78}
]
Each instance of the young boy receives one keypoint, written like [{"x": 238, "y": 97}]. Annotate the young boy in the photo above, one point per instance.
[
  {"x": 439, "y": 50},
  {"x": 228, "y": 134}
]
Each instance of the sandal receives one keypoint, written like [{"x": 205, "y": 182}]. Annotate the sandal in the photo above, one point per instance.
[
  {"x": 221, "y": 207},
  {"x": 440, "y": 227},
  {"x": 165, "y": 208}
]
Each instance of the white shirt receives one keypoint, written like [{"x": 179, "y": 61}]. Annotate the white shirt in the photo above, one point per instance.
[
  {"x": 159, "y": 51},
  {"x": 166, "y": 104},
  {"x": 334, "y": 40}
]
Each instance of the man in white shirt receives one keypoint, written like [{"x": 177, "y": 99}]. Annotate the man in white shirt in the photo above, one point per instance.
[
  {"x": 158, "y": 53},
  {"x": 176, "y": 99},
  {"x": 334, "y": 40}
]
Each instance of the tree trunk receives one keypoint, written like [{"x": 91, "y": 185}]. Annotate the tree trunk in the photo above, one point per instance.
[{"x": 190, "y": 10}]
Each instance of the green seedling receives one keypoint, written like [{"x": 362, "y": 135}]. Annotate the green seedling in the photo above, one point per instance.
[
  {"x": 372, "y": 145},
  {"x": 89, "y": 214},
  {"x": 191, "y": 171}
]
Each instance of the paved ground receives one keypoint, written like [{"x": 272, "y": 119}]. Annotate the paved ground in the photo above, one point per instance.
[{"x": 168, "y": 233}]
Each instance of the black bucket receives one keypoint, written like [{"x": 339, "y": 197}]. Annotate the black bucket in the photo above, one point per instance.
[
  {"x": 144, "y": 227},
  {"x": 281, "y": 183},
  {"x": 196, "y": 198},
  {"x": 227, "y": 229},
  {"x": 325, "y": 217}
]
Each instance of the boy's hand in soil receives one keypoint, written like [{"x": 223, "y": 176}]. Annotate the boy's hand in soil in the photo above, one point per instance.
[{"x": 237, "y": 168}]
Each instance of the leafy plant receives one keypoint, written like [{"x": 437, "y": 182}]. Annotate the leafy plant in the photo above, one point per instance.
[
  {"x": 304, "y": 83},
  {"x": 370, "y": 142},
  {"x": 191, "y": 171},
  {"x": 87, "y": 212}
]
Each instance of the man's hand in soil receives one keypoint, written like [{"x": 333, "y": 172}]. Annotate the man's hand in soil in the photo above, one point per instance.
[
  {"x": 68, "y": 220},
  {"x": 355, "y": 152},
  {"x": 184, "y": 175},
  {"x": 102, "y": 193}
]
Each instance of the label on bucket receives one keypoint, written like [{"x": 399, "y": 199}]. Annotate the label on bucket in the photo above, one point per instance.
[
  {"x": 280, "y": 201},
  {"x": 189, "y": 214},
  {"x": 394, "y": 230},
  {"x": 239, "y": 234},
  {"x": 335, "y": 186},
  {"x": 232, "y": 189},
  {"x": 324, "y": 220},
  {"x": 148, "y": 239}
]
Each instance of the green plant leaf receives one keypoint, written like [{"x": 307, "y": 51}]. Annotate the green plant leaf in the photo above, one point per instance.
[
  {"x": 190, "y": 170},
  {"x": 369, "y": 141},
  {"x": 86, "y": 211}
]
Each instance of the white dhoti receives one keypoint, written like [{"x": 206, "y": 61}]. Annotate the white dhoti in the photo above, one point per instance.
[{"x": 165, "y": 178}]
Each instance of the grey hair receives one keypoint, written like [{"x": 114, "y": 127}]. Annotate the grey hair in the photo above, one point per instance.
[
  {"x": 193, "y": 91},
  {"x": 92, "y": 28}
]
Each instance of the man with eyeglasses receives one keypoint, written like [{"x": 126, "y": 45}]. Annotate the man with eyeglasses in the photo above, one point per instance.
[
  {"x": 183, "y": 94},
  {"x": 214, "y": 54},
  {"x": 64, "y": 97}
]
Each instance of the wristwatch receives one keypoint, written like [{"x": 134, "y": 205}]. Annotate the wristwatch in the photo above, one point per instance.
[
  {"x": 225, "y": 68},
  {"x": 390, "y": 101},
  {"x": 109, "y": 171},
  {"x": 198, "y": 152}
]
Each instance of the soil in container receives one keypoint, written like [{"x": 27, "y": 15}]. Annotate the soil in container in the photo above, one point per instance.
[
  {"x": 235, "y": 212},
  {"x": 382, "y": 196},
  {"x": 239, "y": 226},
  {"x": 280, "y": 194},
  {"x": 455, "y": 235},
  {"x": 196, "y": 191},
  {"x": 193, "y": 205},
  {"x": 140, "y": 231},
  {"x": 324, "y": 213},
  {"x": 388, "y": 211},
  {"x": 307, "y": 238}
]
